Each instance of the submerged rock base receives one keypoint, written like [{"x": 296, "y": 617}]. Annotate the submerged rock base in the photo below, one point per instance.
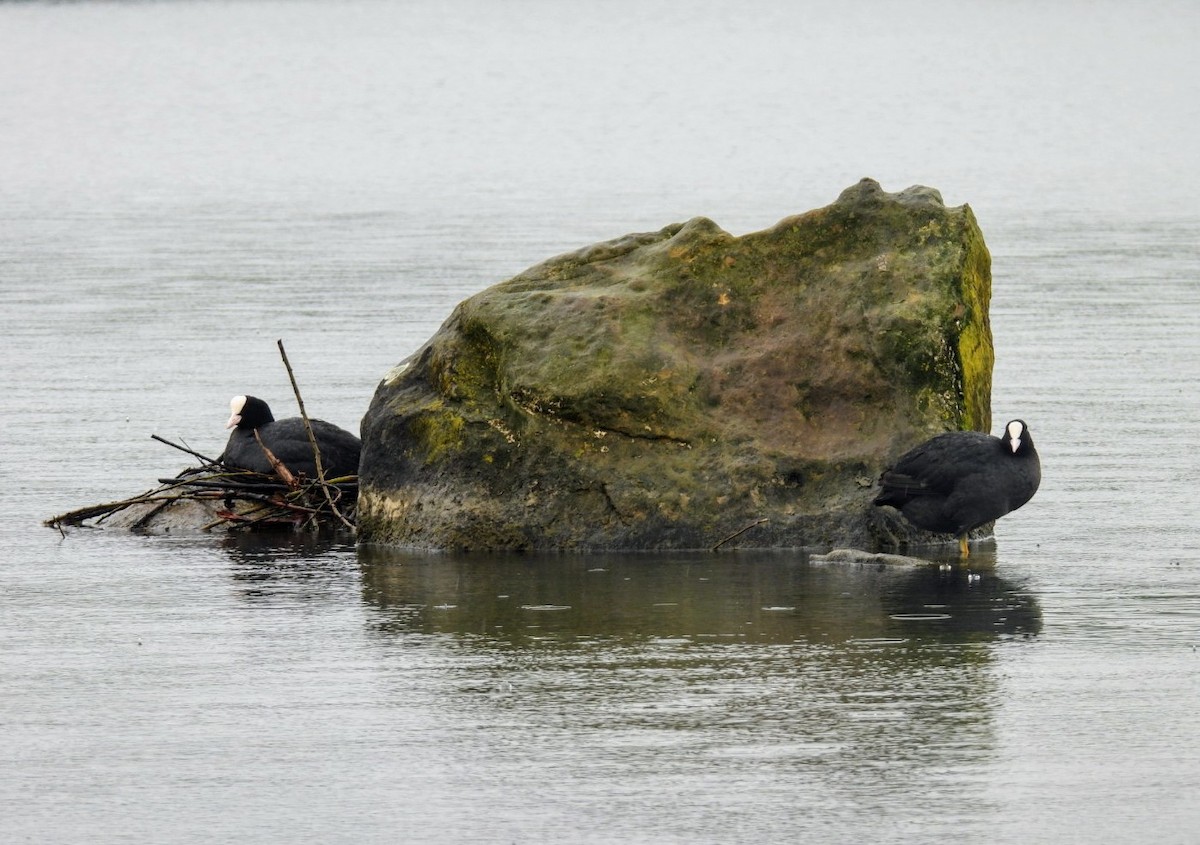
[{"x": 673, "y": 389}]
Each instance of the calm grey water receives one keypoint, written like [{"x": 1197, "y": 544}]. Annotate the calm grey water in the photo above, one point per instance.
[{"x": 183, "y": 183}]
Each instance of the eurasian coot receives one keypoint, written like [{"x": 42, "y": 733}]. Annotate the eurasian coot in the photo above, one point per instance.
[
  {"x": 958, "y": 481},
  {"x": 287, "y": 440}
]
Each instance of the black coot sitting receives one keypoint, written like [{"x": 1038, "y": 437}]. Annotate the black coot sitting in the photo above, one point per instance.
[
  {"x": 958, "y": 481},
  {"x": 287, "y": 440}
]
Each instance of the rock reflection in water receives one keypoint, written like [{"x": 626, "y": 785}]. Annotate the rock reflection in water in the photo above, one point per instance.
[
  {"x": 768, "y": 597},
  {"x": 722, "y": 675}
]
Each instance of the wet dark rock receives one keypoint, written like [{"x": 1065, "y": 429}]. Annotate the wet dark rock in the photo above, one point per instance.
[{"x": 670, "y": 389}]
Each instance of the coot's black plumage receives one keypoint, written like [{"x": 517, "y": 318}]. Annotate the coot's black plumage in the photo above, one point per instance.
[
  {"x": 958, "y": 481},
  {"x": 287, "y": 440}
]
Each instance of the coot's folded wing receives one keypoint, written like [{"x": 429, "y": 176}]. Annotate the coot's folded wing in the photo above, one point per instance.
[{"x": 935, "y": 466}]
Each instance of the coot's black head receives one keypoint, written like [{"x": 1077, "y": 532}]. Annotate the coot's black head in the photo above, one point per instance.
[
  {"x": 1017, "y": 439},
  {"x": 248, "y": 413}
]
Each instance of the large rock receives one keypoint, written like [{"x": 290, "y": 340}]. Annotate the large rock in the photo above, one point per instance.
[{"x": 668, "y": 389}]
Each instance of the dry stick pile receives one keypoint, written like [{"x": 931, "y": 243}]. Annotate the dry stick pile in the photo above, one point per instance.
[{"x": 240, "y": 499}]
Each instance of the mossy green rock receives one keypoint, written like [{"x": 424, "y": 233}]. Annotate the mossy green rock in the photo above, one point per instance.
[{"x": 669, "y": 389}]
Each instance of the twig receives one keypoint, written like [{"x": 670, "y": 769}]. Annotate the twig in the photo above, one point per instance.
[
  {"x": 192, "y": 452},
  {"x": 739, "y": 533},
  {"x": 312, "y": 438},
  {"x": 141, "y": 524},
  {"x": 281, "y": 470},
  {"x": 246, "y": 487},
  {"x": 263, "y": 487}
]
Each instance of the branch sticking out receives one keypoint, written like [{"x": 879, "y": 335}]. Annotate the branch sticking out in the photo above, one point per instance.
[
  {"x": 739, "y": 532},
  {"x": 312, "y": 438}
]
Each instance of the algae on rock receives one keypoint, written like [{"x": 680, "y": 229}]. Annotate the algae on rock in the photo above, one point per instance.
[{"x": 666, "y": 389}]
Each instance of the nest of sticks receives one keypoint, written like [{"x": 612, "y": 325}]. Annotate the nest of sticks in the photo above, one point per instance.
[
  {"x": 230, "y": 499},
  {"x": 213, "y": 496}
]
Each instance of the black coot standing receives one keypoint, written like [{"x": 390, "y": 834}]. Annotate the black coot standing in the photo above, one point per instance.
[
  {"x": 958, "y": 481},
  {"x": 287, "y": 440}
]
